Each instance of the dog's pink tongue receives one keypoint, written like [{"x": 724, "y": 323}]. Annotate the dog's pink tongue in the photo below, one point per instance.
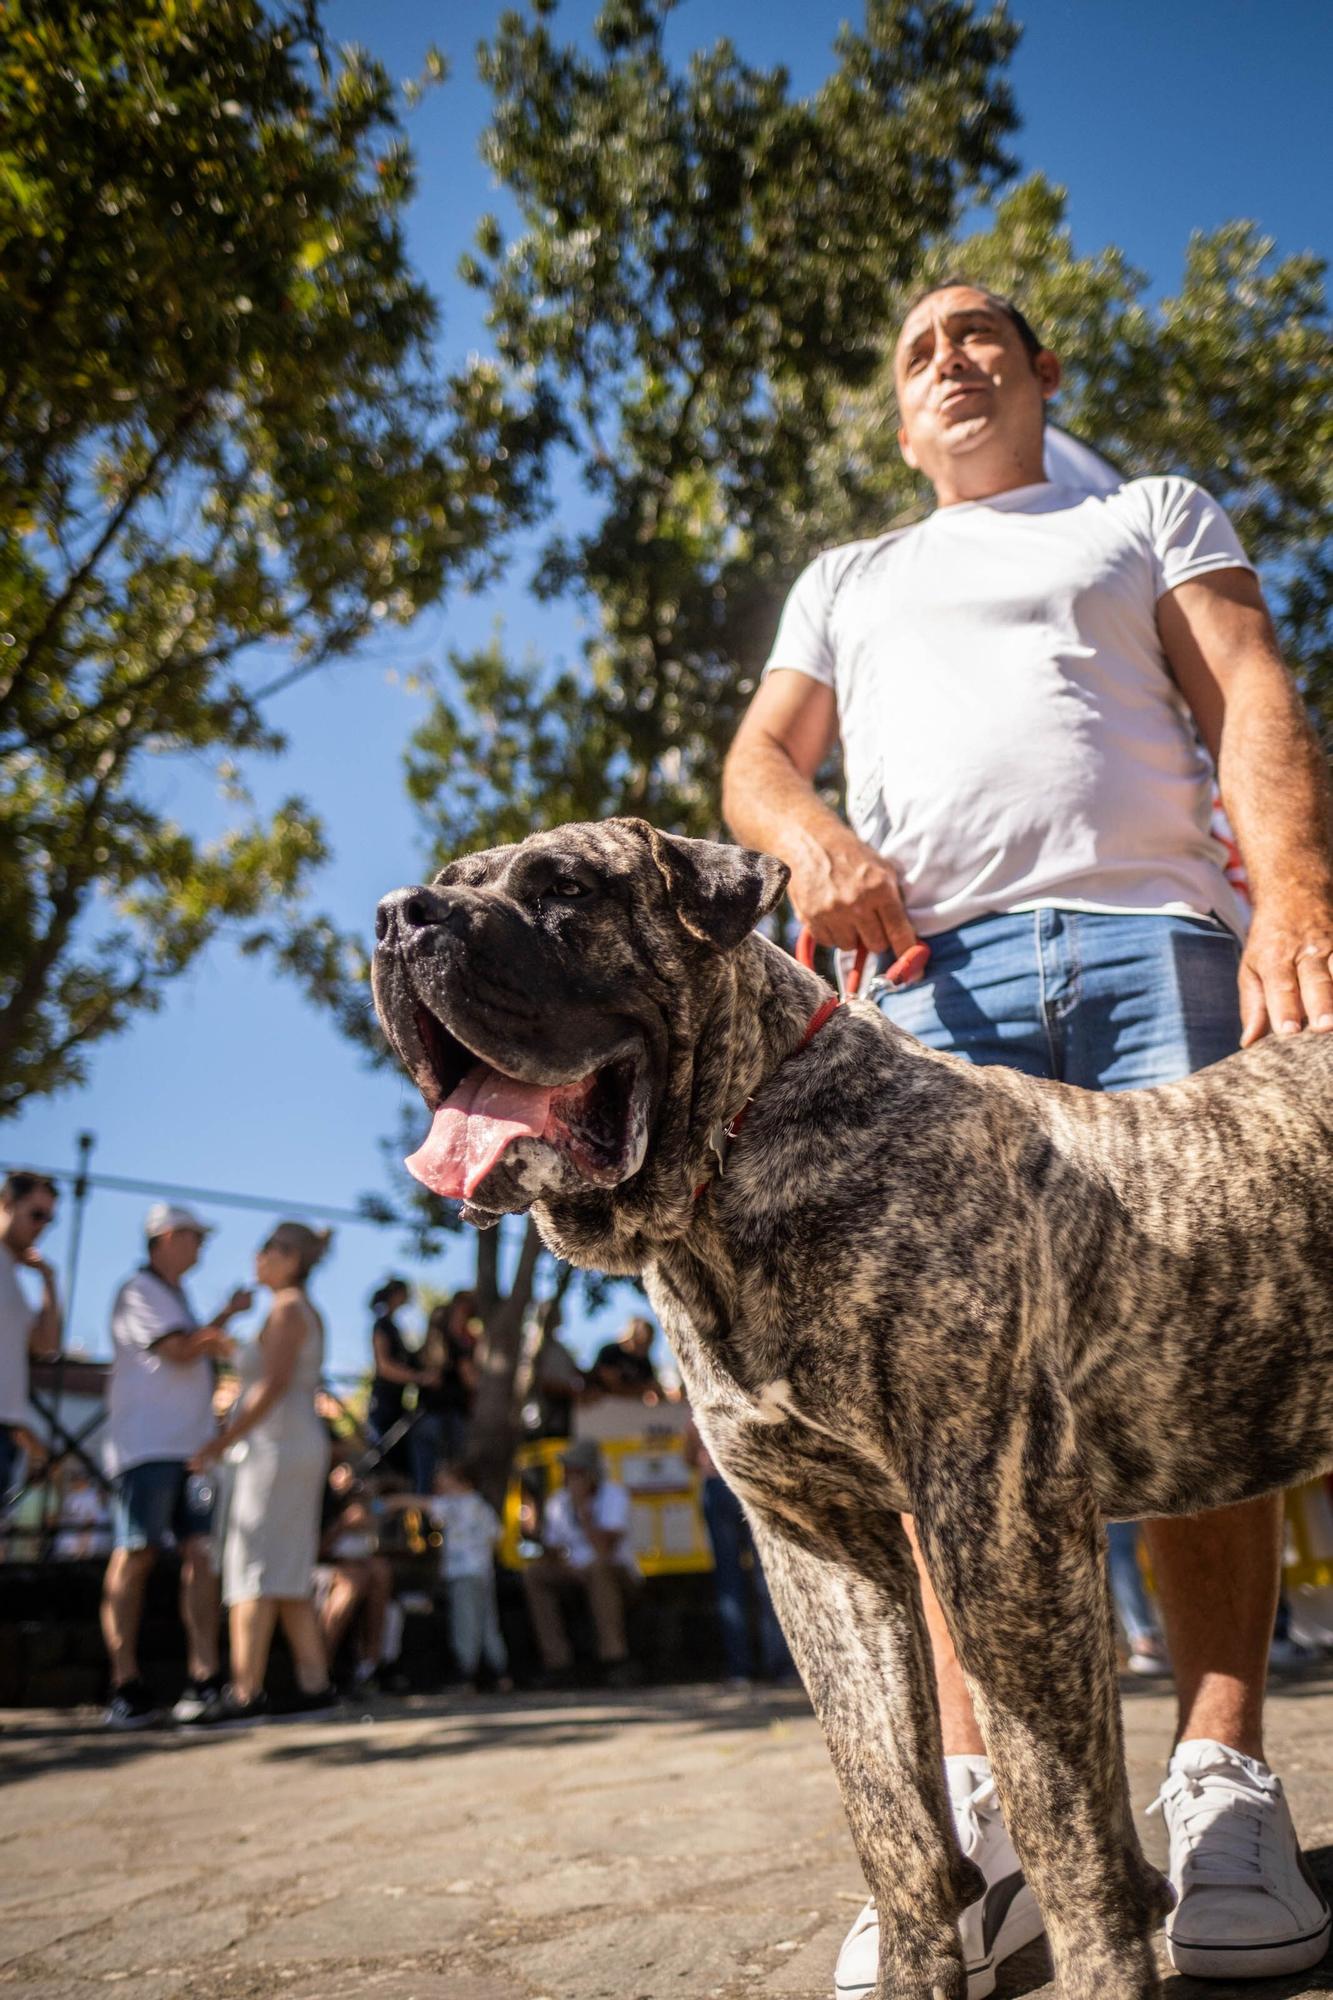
[{"x": 471, "y": 1129}]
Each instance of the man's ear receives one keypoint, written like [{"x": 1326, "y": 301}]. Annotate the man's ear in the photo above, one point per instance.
[{"x": 718, "y": 892}]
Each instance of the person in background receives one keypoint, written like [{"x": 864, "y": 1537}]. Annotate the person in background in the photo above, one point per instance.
[
  {"x": 450, "y": 1358},
  {"x": 471, "y": 1530},
  {"x": 83, "y": 1527},
  {"x": 353, "y": 1581},
  {"x": 622, "y": 1367},
  {"x": 396, "y": 1367},
  {"x": 583, "y": 1533},
  {"x": 159, "y": 1413},
  {"x": 27, "y": 1207},
  {"x": 1147, "y": 1648},
  {"x": 557, "y": 1385},
  {"x": 271, "y": 1534},
  {"x": 729, "y": 1534}
]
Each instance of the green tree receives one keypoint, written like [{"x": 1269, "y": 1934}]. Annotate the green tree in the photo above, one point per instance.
[
  {"x": 707, "y": 279},
  {"x": 224, "y": 459},
  {"x": 701, "y": 279}
]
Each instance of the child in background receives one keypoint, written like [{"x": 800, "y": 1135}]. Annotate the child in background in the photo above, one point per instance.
[{"x": 471, "y": 1529}]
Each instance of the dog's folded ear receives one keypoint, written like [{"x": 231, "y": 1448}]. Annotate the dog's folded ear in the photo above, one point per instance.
[{"x": 718, "y": 892}]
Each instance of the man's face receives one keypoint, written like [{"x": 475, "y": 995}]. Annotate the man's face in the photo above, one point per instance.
[
  {"x": 27, "y": 1218},
  {"x": 966, "y": 382},
  {"x": 177, "y": 1251}
]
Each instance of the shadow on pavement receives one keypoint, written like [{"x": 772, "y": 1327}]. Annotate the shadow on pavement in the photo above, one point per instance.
[
  {"x": 543, "y": 1722},
  {"x": 355, "y": 1736}
]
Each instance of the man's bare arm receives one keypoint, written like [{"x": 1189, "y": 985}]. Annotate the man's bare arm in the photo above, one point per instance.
[
  {"x": 44, "y": 1333},
  {"x": 841, "y": 888},
  {"x": 1220, "y": 642}
]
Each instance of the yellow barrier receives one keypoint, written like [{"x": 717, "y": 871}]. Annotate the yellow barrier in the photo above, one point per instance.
[
  {"x": 667, "y": 1531},
  {"x": 1307, "y": 1558}
]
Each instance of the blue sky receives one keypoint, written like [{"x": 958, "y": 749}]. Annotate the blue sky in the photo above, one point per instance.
[{"x": 1159, "y": 120}]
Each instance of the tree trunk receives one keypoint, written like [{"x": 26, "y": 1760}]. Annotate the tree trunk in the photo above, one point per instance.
[{"x": 494, "y": 1418}]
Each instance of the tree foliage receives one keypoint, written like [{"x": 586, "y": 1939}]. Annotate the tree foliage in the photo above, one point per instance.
[
  {"x": 700, "y": 282},
  {"x": 223, "y": 461},
  {"x": 707, "y": 281},
  {"x": 703, "y": 275},
  {"x": 708, "y": 278}
]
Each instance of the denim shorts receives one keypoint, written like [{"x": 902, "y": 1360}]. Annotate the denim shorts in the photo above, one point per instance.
[
  {"x": 152, "y": 1502},
  {"x": 1107, "y": 1002}
]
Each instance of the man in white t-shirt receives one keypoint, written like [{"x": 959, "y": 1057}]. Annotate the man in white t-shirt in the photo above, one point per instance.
[
  {"x": 160, "y": 1413},
  {"x": 27, "y": 1206},
  {"x": 584, "y": 1535},
  {"x": 1034, "y": 687}
]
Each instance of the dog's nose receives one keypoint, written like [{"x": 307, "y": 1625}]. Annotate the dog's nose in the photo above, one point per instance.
[{"x": 406, "y": 912}]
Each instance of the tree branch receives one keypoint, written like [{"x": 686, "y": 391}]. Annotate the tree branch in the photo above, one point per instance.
[{"x": 134, "y": 493}]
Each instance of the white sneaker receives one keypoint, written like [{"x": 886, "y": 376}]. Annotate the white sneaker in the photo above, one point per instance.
[
  {"x": 1247, "y": 1906},
  {"x": 994, "y": 1927}
]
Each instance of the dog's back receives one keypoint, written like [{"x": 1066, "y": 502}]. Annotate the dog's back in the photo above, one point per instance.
[{"x": 1194, "y": 1232}]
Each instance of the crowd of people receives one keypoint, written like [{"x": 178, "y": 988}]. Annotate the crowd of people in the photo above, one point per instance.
[{"x": 286, "y": 1509}]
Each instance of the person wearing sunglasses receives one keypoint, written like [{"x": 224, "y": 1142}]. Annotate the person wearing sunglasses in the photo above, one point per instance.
[{"x": 27, "y": 1207}]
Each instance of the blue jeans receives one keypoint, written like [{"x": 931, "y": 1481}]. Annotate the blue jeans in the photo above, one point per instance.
[
  {"x": 424, "y": 1443},
  {"x": 1127, "y": 1586},
  {"x": 1105, "y": 1002},
  {"x": 729, "y": 1533},
  {"x": 152, "y": 1501}
]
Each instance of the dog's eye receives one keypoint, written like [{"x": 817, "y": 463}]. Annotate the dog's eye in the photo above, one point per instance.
[{"x": 567, "y": 888}]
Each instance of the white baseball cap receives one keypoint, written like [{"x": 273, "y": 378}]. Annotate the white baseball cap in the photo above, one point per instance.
[{"x": 164, "y": 1215}]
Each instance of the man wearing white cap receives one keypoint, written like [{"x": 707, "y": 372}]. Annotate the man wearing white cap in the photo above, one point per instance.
[{"x": 160, "y": 1414}]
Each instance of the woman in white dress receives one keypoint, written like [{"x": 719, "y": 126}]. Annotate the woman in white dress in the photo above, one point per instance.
[{"x": 279, "y": 1453}]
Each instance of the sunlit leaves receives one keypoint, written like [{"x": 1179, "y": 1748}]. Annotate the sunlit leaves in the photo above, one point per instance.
[{"x": 225, "y": 458}]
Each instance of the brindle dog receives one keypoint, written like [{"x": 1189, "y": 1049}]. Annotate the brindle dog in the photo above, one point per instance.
[{"x": 1009, "y": 1307}]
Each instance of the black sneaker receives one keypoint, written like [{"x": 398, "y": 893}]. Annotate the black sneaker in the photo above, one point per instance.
[
  {"x": 130, "y": 1707},
  {"x": 306, "y": 1707},
  {"x": 226, "y": 1710},
  {"x": 194, "y": 1698}
]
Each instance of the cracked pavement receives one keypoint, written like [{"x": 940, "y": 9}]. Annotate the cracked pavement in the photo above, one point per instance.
[{"x": 664, "y": 1844}]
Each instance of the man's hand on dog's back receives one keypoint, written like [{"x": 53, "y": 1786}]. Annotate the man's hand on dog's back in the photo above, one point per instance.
[{"x": 842, "y": 889}]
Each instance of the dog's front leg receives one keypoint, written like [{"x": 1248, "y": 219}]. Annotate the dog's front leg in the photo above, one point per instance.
[
  {"x": 1019, "y": 1568},
  {"x": 846, "y": 1591}
]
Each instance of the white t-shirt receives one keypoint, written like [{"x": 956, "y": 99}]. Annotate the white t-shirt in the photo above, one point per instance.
[
  {"x": 610, "y": 1514},
  {"x": 17, "y": 1316},
  {"x": 471, "y": 1528},
  {"x": 157, "y": 1409},
  {"x": 1012, "y": 735}
]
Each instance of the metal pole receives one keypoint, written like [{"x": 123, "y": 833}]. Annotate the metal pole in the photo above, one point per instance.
[{"x": 86, "y": 1141}]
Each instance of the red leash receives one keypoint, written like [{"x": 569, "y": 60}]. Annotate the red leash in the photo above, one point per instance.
[
  {"x": 903, "y": 970},
  {"x": 901, "y": 973}
]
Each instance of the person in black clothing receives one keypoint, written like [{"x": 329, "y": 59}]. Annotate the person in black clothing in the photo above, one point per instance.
[
  {"x": 450, "y": 1390},
  {"x": 557, "y": 1385},
  {"x": 396, "y": 1367},
  {"x": 622, "y": 1367}
]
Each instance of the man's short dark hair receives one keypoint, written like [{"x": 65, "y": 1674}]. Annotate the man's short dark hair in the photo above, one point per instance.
[
  {"x": 19, "y": 1185},
  {"x": 1013, "y": 313}
]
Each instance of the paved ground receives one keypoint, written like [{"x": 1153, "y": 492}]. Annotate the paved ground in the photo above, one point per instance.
[{"x": 680, "y": 1845}]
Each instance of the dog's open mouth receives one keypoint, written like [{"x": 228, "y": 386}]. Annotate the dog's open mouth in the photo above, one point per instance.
[{"x": 591, "y": 1122}]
